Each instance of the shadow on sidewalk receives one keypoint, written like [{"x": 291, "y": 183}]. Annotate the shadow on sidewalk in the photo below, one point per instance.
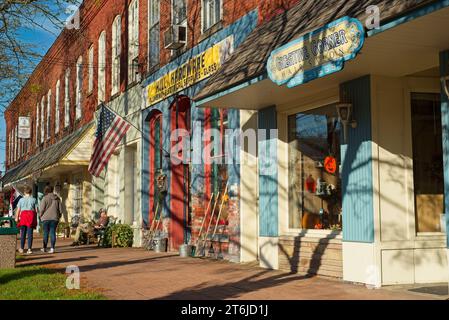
[{"x": 232, "y": 290}]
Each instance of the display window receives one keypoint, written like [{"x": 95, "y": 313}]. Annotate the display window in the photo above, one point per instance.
[
  {"x": 315, "y": 200},
  {"x": 428, "y": 176}
]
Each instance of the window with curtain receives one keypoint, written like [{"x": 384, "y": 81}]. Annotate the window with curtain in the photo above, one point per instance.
[
  {"x": 133, "y": 43},
  {"x": 48, "y": 113},
  {"x": 57, "y": 106},
  {"x": 43, "y": 119},
  {"x": 91, "y": 69},
  {"x": 79, "y": 87},
  {"x": 67, "y": 98},
  {"x": 154, "y": 33},
  {"x": 101, "y": 67},
  {"x": 116, "y": 48},
  {"x": 211, "y": 13}
]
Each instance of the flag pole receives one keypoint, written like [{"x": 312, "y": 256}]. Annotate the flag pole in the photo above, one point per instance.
[{"x": 104, "y": 105}]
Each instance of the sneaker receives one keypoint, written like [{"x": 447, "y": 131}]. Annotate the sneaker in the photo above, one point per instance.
[
  {"x": 29, "y": 251},
  {"x": 43, "y": 250},
  {"x": 51, "y": 251},
  {"x": 75, "y": 244},
  {"x": 21, "y": 251}
]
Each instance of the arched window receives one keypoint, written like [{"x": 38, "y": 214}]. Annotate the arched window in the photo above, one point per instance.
[
  {"x": 133, "y": 36},
  {"x": 101, "y": 67},
  {"x": 116, "y": 50},
  {"x": 79, "y": 87}
]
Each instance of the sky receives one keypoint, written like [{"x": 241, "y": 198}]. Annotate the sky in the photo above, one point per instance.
[{"x": 43, "y": 40}]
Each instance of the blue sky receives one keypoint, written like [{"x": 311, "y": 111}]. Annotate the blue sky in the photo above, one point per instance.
[{"x": 42, "y": 40}]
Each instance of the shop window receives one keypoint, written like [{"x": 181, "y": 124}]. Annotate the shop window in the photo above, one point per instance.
[
  {"x": 211, "y": 13},
  {"x": 315, "y": 200},
  {"x": 428, "y": 175}
]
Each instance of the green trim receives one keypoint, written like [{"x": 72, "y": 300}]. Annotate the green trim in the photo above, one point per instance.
[{"x": 415, "y": 14}]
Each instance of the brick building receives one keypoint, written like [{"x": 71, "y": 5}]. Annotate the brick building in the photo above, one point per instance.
[{"x": 118, "y": 46}]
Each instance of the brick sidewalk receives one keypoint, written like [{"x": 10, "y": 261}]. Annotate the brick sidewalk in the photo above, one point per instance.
[{"x": 139, "y": 274}]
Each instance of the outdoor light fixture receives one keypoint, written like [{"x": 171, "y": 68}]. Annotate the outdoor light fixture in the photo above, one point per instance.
[
  {"x": 344, "y": 111},
  {"x": 445, "y": 85}
]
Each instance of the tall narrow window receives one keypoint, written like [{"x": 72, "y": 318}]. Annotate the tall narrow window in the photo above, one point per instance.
[
  {"x": 67, "y": 98},
  {"x": 79, "y": 87},
  {"x": 133, "y": 36},
  {"x": 13, "y": 145},
  {"x": 48, "y": 113},
  {"x": 57, "y": 107},
  {"x": 116, "y": 50},
  {"x": 179, "y": 12},
  {"x": 428, "y": 172},
  {"x": 43, "y": 119},
  {"x": 91, "y": 69},
  {"x": 154, "y": 33},
  {"x": 211, "y": 13},
  {"x": 101, "y": 67},
  {"x": 36, "y": 121}
]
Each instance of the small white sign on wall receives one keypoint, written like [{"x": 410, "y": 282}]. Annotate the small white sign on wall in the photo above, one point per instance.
[{"x": 24, "y": 131}]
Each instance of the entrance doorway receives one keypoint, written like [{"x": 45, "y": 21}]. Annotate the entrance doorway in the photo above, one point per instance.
[
  {"x": 180, "y": 223},
  {"x": 155, "y": 160}
]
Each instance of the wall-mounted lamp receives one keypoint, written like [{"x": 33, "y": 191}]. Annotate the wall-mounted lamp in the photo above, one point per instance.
[
  {"x": 344, "y": 111},
  {"x": 445, "y": 85}
]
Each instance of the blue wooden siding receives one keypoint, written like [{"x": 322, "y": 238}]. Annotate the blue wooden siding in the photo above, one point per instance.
[
  {"x": 357, "y": 164},
  {"x": 444, "y": 70},
  {"x": 268, "y": 175},
  {"x": 240, "y": 30}
]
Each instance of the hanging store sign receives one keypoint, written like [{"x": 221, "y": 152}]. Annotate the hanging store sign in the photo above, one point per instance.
[
  {"x": 24, "y": 131},
  {"x": 317, "y": 54},
  {"x": 194, "y": 70}
]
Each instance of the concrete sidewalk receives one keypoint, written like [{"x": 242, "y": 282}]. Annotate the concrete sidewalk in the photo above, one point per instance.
[{"x": 139, "y": 274}]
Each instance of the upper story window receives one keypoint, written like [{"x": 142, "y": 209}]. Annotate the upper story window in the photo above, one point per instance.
[
  {"x": 37, "y": 124},
  {"x": 133, "y": 36},
  {"x": 116, "y": 50},
  {"x": 179, "y": 12},
  {"x": 101, "y": 67},
  {"x": 79, "y": 87},
  {"x": 91, "y": 69},
  {"x": 211, "y": 13},
  {"x": 48, "y": 113},
  {"x": 154, "y": 33},
  {"x": 67, "y": 98},
  {"x": 57, "y": 105},
  {"x": 43, "y": 119}
]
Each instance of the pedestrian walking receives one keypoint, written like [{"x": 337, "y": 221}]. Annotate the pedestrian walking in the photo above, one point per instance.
[
  {"x": 26, "y": 218},
  {"x": 50, "y": 213}
]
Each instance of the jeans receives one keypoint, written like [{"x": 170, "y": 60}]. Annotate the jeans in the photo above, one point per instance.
[
  {"x": 50, "y": 229},
  {"x": 24, "y": 233}
]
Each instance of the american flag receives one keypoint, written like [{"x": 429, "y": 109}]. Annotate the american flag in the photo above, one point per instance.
[{"x": 111, "y": 128}]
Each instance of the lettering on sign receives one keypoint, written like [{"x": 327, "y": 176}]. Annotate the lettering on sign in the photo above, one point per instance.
[
  {"x": 317, "y": 54},
  {"x": 194, "y": 70}
]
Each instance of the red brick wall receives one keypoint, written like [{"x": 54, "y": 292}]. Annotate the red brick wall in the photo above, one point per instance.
[{"x": 96, "y": 16}]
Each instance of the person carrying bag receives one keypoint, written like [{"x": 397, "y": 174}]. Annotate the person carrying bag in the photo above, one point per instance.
[{"x": 26, "y": 219}]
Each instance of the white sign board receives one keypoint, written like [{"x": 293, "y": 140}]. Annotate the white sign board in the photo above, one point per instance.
[{"x": 24, "y": 128}]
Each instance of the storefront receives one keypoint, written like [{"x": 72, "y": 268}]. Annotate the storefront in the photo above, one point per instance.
[
  {"x": 63, "y": 166},
  {"x": 184, "y": 185},
  {"x": 358, "y": 191}
]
